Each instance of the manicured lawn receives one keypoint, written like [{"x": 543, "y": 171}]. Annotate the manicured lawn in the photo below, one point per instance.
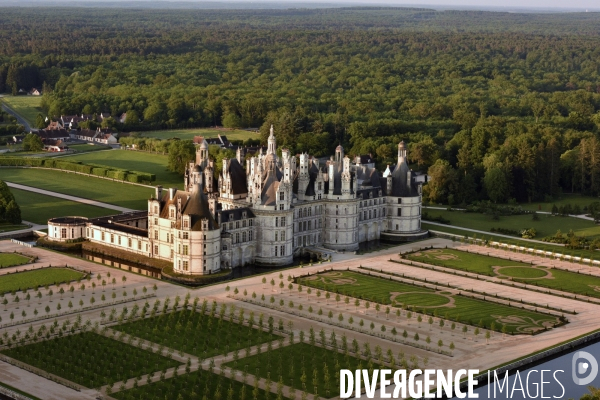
[
  {"x": 6, "y": 227},
  {"x": 39, "y": 208},
  {"x": 462, "y": 260},
  {"x": 86, "y": 148},
  {"x": 566, "y": 198},
  {"x": 121, "y": 194},
  {"x": 196, "y": 333},
  {"x": 12, "y": 259},
  {"x": 196, "y": 385},
  {"x": 39, "y": 277},
  {"x": 550, "y": 278},
  {"x": 301, "y": 366},
  {"x": 90, "y": 359},
  {"x": 206, "y": 132},
  {"x": 27, "y": 107},
  {"x": 447, "y": 305},
  {"x": 517, "y": 242},
  {"x": 546, "y": 226},
  {"x": 134, "y": 161}
]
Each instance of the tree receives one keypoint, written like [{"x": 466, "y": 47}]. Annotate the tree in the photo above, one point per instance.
[
  {"x": 496, "y": 184},
  {"x": 40, "y": 123},
  {"x": 181, "y": 152},
  {"x": 32, "y": 142}
]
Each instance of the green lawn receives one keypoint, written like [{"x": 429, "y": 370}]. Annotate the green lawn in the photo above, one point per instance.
[
  {"x": 90, "y": 359},
  {"x": 121, "y": 194},
  {"x": 196, "y": 333},
  {"x": 12, "y": 259},
  {"x": 86, "y": 148},
  {"x": 39, "y": 208},
  {"x": 566, "y": 198},
  {"x": 134, "y": 161},
  {"x": 550, "y": 278},
  {"x": 301, "y": 366},
  {"x": 27, "y": 107},
  {"x": 197, "y": 385},
  {"x": 234, "y": 134},
  {"x": 7, "y": 227},
  {"x": 546, "y": 226},
  {"x": 454, "y": 307},
  {"x": 39, "y": 277}
]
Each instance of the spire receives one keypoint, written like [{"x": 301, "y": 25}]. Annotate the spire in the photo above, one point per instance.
[{"x": 272, "y": 143}]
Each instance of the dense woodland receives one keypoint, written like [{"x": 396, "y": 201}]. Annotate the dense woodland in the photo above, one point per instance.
[{"x": 494, "y": 106}]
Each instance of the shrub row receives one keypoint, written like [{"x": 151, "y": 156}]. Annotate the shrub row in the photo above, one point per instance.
[{"x": 91, "y": 169}]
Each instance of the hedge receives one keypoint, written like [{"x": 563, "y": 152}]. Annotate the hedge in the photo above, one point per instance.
[{"x": 93, "y": 169}]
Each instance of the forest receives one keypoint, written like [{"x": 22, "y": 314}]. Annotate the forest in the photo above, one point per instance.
[{"x": 494, "y": 106}]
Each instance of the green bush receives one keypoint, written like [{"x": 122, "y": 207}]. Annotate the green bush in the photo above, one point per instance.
[{"x": 99, "y": 171}]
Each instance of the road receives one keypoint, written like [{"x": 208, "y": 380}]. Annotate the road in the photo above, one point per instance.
[
  {"x": 69, "y": 197},
  {"x": 20, "y": 119}
]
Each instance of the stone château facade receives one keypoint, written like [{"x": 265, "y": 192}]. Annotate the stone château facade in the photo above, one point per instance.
[{"x": 267, "y": 211}]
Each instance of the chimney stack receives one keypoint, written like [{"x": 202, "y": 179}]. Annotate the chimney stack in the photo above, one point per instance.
[
  {"x": 172, "y": 193},
  {"x": 159, "y": 192}
]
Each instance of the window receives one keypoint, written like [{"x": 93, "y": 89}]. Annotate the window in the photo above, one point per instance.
[
  {"x": 243, "y": 223},
  {"x": 399, "y": 212},
  {"x": 186, "y": 235},
  {"x": 250, "y": 223},
  {"x": 167, "y": 238},
  {"x": 282, "y": 250},
  {"x": 399, "y": 201},
  {"x": 250, "y": 235},
  {"x": 185, "y": 265},
  {"x": 281, "y": 207},
  {"x": 155, "y": 221},
  {"x": 237, "y": 237},
  {"x": 112, "y": 238},
  {"x": 282, "y": 236},
  {"x": 155, "y": 249},
  {"x": 156, "y": 235},
  {"x": 282, "y": 221},
  {"x": 230, "y": 225},
  {"x": 243, "y": 236},
  {"x": 281, "y": 196},
  {"x": 103, "y": 236},
  {"x": 139, "y": 242},
  {"x": 185, "y": 249},
  {"x": 63, "y": 233},
  {"x": 276, "y": 222},
  {"x": 309, "y": 225},
  {"x": 276, "y": 236},
  {"x": 185, "y": 223},
  {"x": 171, "y": 253},
  {"x": 155, "y": 209},
  {"x": 237, "y": 224},
  {"x": 304, "y": 226},
  {"x": 276, "y": 251},
  {"x": 172, "y": 213}
]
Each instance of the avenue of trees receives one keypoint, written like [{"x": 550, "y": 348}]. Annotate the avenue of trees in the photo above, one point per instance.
[{"x": 494, "y": 106}]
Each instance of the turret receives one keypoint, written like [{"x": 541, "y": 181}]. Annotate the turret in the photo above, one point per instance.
[{"x": 272, "y": 142}]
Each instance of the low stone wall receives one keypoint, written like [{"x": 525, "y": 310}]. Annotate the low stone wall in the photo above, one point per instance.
[
  {"x": 195, "y": 280},
  {"x": 404, "y": 237}
]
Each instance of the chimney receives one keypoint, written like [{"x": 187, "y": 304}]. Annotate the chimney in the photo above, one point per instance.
[
  {"x": 409, "y": 179},
  {"x": 159, "y": 192},
  {"x": 172, "y": 193}
]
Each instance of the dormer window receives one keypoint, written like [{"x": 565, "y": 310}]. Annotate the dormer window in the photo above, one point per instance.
[
  {"x": 281, "y": 196},
  {"x": 172, "y": 212},
  {"x": 155, "y": 209},
  {"x": 185, "y": 223}
]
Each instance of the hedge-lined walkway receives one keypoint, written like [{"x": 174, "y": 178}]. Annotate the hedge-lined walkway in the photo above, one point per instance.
[{"x": 69, "y": 197}]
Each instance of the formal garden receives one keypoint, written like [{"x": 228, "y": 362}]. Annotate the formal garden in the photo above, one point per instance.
[
  {"x": 551, "y": 278},
  {"x": 197, "y": 385},
  {"x": 14, "y": 259},
  {"x": 90, "y": 359},
  {"x": 26, "y": 280},
  {"x": 206, "y": 333},
  {"x": 445, "y": 303}
]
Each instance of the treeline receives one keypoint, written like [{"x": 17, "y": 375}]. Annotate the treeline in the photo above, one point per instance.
[
  {"x": 77, "y": 166},
  {"x": 506, "y": 107},
  {"x": 9, "y": 209}
]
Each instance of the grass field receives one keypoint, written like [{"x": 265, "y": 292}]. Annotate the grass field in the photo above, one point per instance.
[
  {"x": 546, "y": 226},
  {"x": 7, "y": 227},
  {"x": 551, "y": 278},
  {"x": 566, "y": 198},
  {"x": 301, "y": 366},
  {"x": 90, "y": 359},
  {"x": 39, "y": 208},
  {"x": 234, "y": 134},
  {"x": 104, "y": 190},
  {"x": 134, "y": 161},
  {"x": 27, "y": 107},
  {"x": 12, "y": 259},
  {"x": 448, "y": 305},
  {"x": 87, "y": 148},
  {"x": 39, "y": 277},
  {"x": 197, "y": 385},
  {"x": 196, "y": 333}
]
